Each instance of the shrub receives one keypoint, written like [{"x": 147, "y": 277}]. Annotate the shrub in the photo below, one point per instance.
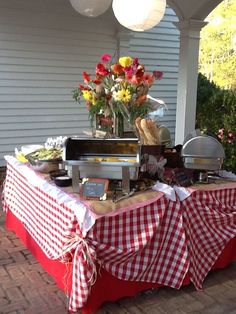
[{"x": 216, "y": 113}]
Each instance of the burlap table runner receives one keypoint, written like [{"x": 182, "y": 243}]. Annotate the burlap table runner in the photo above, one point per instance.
[{"x": 139, "y": 199}]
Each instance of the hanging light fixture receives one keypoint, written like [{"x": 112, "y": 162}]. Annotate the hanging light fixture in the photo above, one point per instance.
[
  {"x": 139, "y": 15},
  {"x": 91, "y": 8}
]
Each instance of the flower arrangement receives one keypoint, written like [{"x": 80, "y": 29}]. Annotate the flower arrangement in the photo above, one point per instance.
[{"x": 117, "y": 89}]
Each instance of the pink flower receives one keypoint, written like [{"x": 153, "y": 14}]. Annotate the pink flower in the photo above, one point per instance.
[
  {"x": 148, "y": 79},
  {"x": 158, "y": 75},
  {"x": 128, "y": 70},
  {"x": 105, "y": 57},
  {"x": 221, "y": 131},
  {"x": 221, "y": 134},
  {"x": 133, "y": 79},
  {"x": 231, "y": 137}
]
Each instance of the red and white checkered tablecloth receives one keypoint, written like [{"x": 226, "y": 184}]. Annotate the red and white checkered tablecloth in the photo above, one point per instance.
[
  {"x": 156, "y": 243},
  {"x": 52, "y": 224},
  {"x": 209, "y": 219},
  {"x": 147, "y": 244},
  {"x": 47, "y": 221}
]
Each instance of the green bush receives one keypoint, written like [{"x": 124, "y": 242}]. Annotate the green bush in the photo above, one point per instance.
[{"x": 216, "y": 113}]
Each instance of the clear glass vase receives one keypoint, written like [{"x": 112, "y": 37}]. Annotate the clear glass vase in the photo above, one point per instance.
[{"x": 113, "y": 126}]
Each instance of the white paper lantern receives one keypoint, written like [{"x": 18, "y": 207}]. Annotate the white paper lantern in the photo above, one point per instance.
[
  {"x": 91, "y": 8},
  {"x": 139, "y": 15}
]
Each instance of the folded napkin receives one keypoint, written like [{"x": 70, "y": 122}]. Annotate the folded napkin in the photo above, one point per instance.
[
  {"x": 182, "y": 192},
  {"x": 166, "y": 189}
]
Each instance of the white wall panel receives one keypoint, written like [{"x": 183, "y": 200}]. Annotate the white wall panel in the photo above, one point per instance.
[{"x": 44, "y": 48}]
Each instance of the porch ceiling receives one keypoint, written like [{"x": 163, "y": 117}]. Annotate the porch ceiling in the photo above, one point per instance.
[{"x": 193, "y": 9}]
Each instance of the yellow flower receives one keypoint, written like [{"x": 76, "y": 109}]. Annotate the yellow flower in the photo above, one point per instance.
[
  {"x": 125, "y": 61},
  {"x": 87, "y": 95},
  {"x": 123, "y": 95},
  {"x": 94, "y": 100}
]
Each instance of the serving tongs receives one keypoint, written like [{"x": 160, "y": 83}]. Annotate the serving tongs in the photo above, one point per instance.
[
  {"x": 127, "y": 195},
  {"x": 124, "y": 196}
]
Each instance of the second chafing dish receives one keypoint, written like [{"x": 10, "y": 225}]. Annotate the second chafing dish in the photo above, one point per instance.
[
  {"x": 203, "y": 152},
  {"x": 103, "y": 158}
]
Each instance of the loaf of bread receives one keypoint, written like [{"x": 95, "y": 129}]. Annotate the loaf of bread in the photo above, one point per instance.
[
  {"x": 148, "y": 131},
  {"x": 154, "y": 131},
  {"x": 142, "y": 136},
  {"x": 151, "y": 131}
]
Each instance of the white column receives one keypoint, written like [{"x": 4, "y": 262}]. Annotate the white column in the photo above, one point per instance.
[{"x": 187, "y": 77}]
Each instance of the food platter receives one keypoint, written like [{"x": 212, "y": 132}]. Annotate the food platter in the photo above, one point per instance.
[{"x": 45, "y": 160}]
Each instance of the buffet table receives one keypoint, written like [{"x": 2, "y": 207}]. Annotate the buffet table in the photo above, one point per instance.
[{"x": 147, "y": 240}]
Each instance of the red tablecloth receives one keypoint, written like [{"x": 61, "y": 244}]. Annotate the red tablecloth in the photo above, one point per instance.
[{"x": 158, "y": 243}]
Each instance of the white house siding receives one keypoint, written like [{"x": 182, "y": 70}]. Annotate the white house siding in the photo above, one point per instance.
[
  {"x": 44, "y": 48},
  {"x": 159, "y": 50}
]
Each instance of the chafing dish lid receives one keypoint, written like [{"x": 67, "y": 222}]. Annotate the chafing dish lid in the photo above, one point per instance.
[
  {"x": 203, "y": 146},
  {"x": 76, "y": 147}
]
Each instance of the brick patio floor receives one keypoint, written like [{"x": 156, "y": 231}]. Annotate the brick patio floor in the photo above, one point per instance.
[{"x": 26, "y": 288}]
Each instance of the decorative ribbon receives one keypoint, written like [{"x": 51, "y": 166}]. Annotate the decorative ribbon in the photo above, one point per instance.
[
  {"x": 77, "y": 243},
  {"x": 77, "y": 250}
]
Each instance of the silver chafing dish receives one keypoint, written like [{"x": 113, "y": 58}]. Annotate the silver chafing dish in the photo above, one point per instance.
[
  {"x": 202, "y": 152},
  {"x": 117, "y": 158}
]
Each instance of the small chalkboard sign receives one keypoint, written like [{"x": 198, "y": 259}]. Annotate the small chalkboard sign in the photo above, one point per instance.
[{"x": 94, "y": 188}]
